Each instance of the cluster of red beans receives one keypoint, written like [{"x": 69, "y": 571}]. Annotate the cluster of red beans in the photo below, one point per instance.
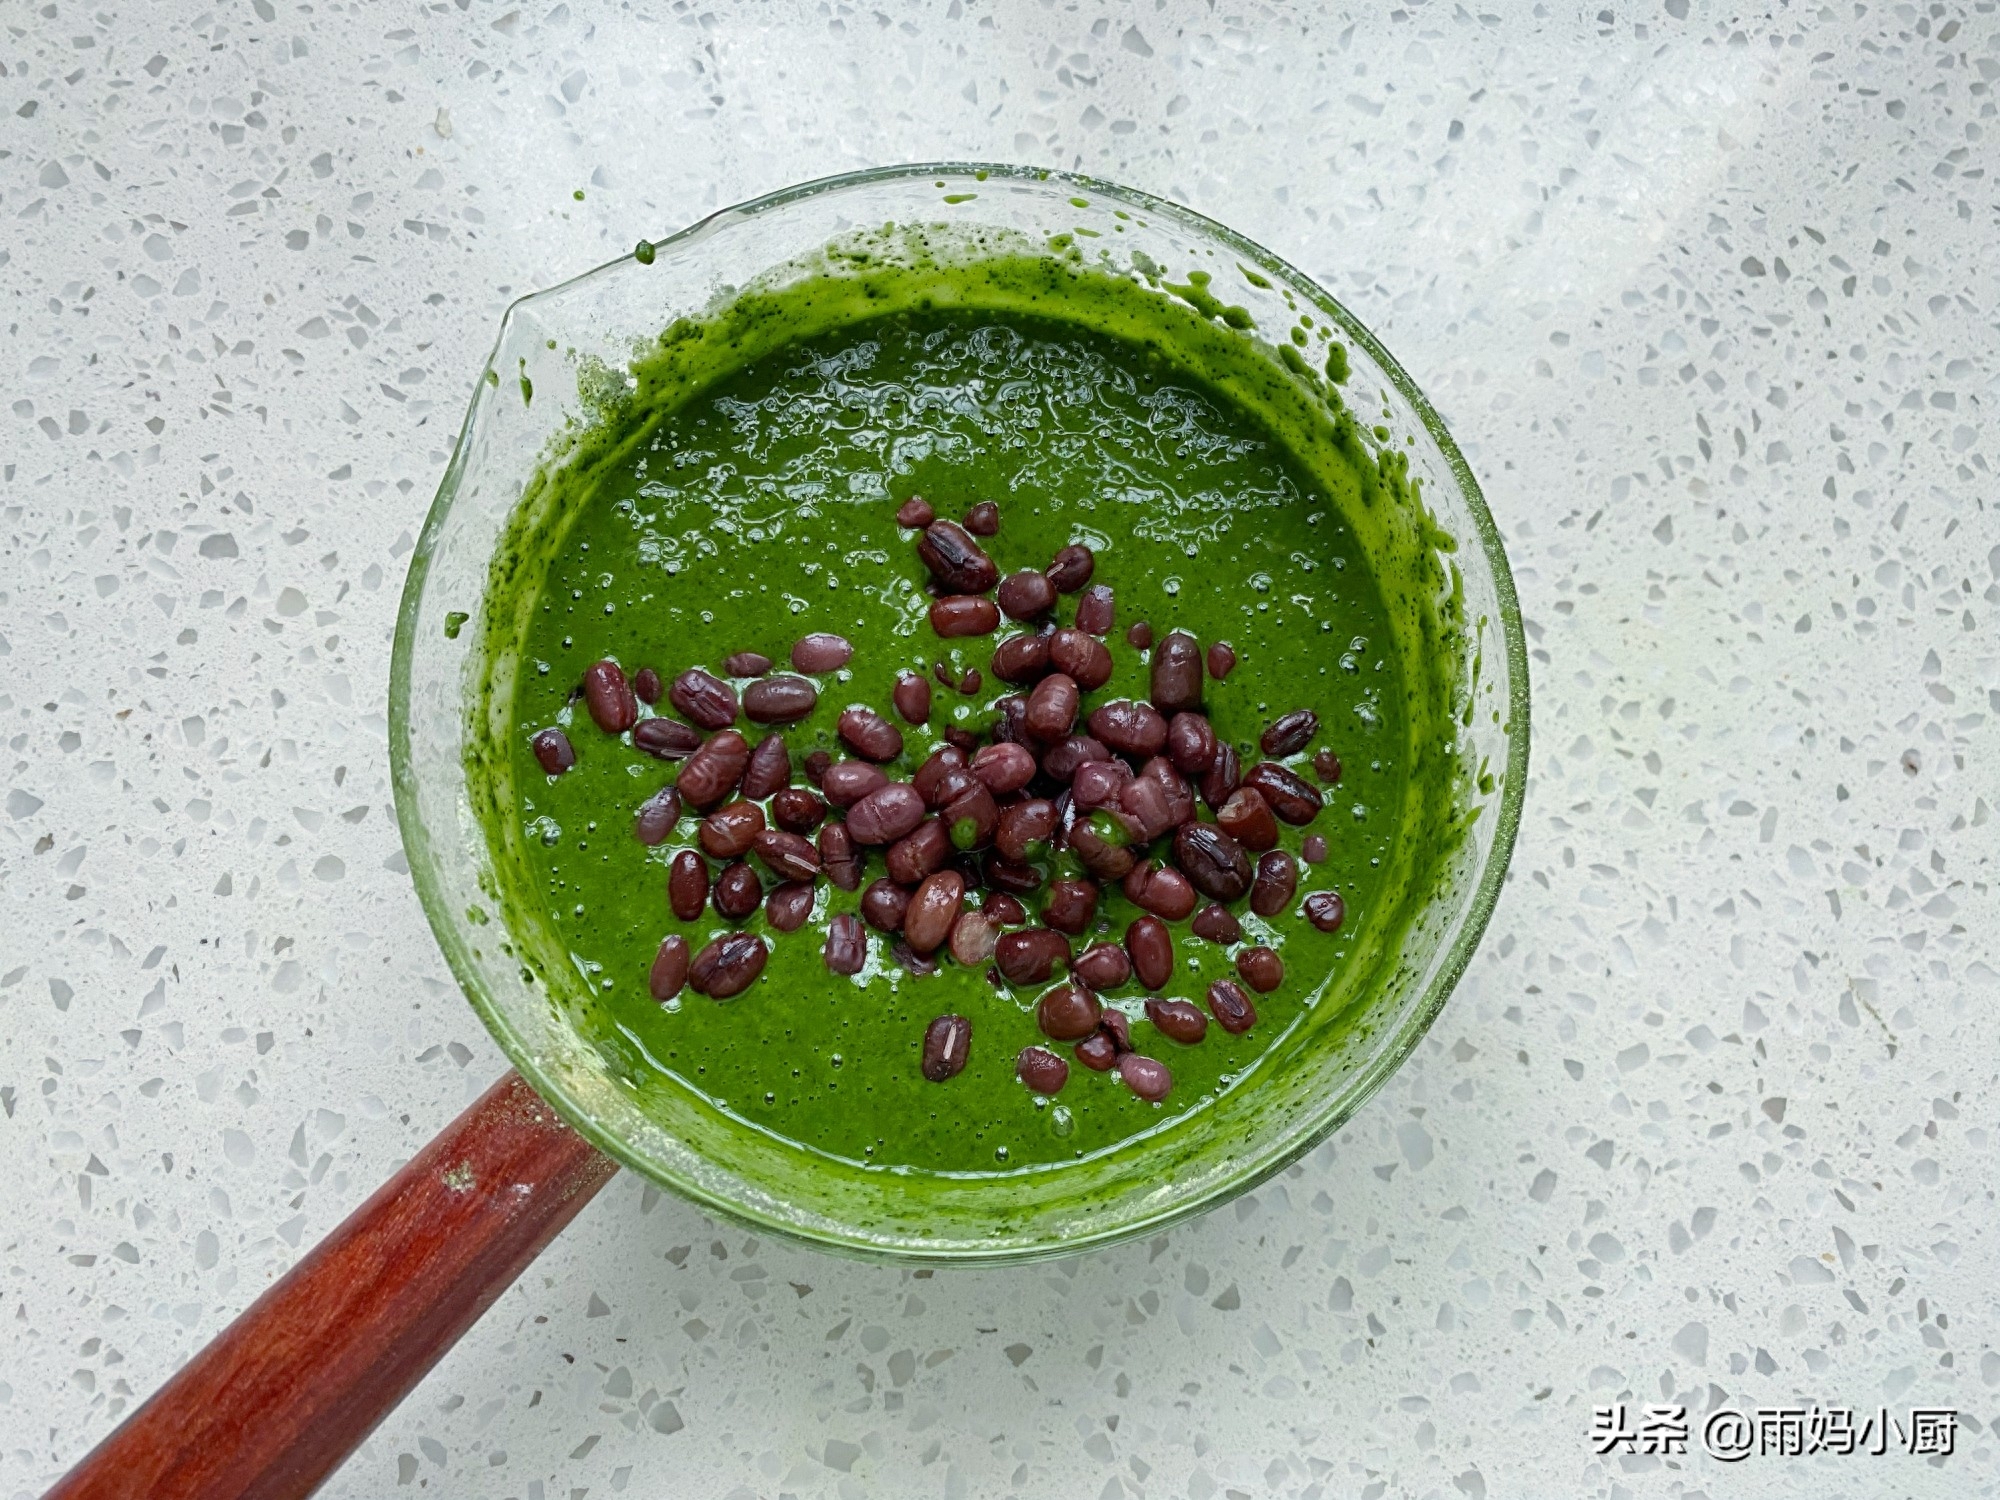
[{"x": 1110, "y": 785}]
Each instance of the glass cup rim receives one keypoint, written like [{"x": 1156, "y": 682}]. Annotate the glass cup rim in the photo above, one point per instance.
[{"x": 1364, "y": 1083}]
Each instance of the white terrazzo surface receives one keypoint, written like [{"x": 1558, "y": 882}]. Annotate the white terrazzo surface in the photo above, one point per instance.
[{"x": 1710, "y": 303}]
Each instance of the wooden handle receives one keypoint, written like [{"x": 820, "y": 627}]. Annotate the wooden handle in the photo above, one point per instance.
[{"x": 284, "y": 1393}]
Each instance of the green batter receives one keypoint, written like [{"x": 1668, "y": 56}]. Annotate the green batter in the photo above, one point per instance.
[{"x": 745, "y": 495}]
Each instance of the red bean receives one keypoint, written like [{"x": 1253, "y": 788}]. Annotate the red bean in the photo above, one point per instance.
[
  {"x": 1291, "y": 796},
  {"x": 1146, "y": 808},
  {"x": 869, "y": 735},
  {"x": 821, "y": 652},
  {"x": 703, "y": 699},
  {"x": 1140, "y": 636},
  {"x": 1070, "y": 905},
  {"x": 1221, "y": 659},
  {"x": 815, "y": 765},
  {"x": 613, "y": 706},
  {"x": 1291, "y": 733},
  {"x": 666, "y": 739},
  {"x": 1190, "y": 743},
  {"x": 1004, "y": 768},
  {"x": 947, "y": 1041},
  {"x": 1025, "y": 828},
  {"x": 885, "y": 814},
  {"x": 1156, "y": 799},
  {"x": 958, "y": 615},
  {"x": 1097, "y": 1052},
  {"x": 950, "y": 783},
  {"x": 1325, "y": 910},
  {"x": 1041, "y": 1070},
  {"x": 973, "y": 937},
  {"x": 687, "y": 885},
  {"x": 1068, "y": 1013},
  {"x": 955, "y": 559},
  {"x": 1326, "y": 765},
  {"x": 1223, "y": 776},
  {"x": 1177, "y": 1020},
  {"x": 728, "y": 966},
  {"x": 1099, "y": 783},
  {"x": 1023, "y": 596},
  {"x": 937, "y": 772},
  {"x": 647, "y": 685},
  {"x": 846, "y": 782},
  {"x": 1261, "y": 969},
  {"x": 1101, "y": 842},
  {"x": 1164, "y": 892},
  {"x": 1004, "y": 909},
  {"x": 913, "y": 698},
  {"x": 837, "y": 857},
  {"x": 789, "y": 905},
  {"x": 1135, "y": 729},
  {"x": 657, "y": 816},
  {"x": 846, "y": 949},
  {"x": 915, "y": 513},
  {"x": 1052, "y": 707},
  {"x": 1176, "y": 673},
  {"x": 714, "y": 770},
  {"x": 920, "y": 853},
  {"x": 1103, "y": 966},
  {"x": 746, "y": 664},
  {"x": 1148, "y": 1079},
  {"x": 1232, "y": 1009},
  {"x": 1021, "y": 659},
  {"x": 1072, "y": 568},
  {"x": 670, "y": 968},
  {"x": 779, "y": 700},
  {"x": 788, "y": 856},
  {"x": 1118, "y": 1028},
  {"x": 972, "y": 817},
  {"x": 1096, "y": 611},
  {"x": 1152, "y": 949},
  {"x": 883, "y": 905},
  {"x": 1217, "y": 925},
  {"x": 726, "y": 833},
  {"x": 1011, "y": 727},
  {"x": 1082, "y": 656},
  {"x": 1313, "y": 849},
  {"x": 553, "y": 751},
  {"x": 983, "y": 519},
  {"x": 1180, "y": 796},
  {"x": 1213, "y": 860},
  {"x": 737, "y": 893},
  {"x": 928, "y": 920},
  {"x": 919, "y": 964},
  {"x": 1064, "y": 760},
  {"x": 1277, "y": 878},
  {"x": 1015, "y": 876},
  {"x": 770, "y": 768},
  {"x": 1030, "y": 956},
  {"x": 1246, "y": 817},
  {"x": 797, "y": 810}
]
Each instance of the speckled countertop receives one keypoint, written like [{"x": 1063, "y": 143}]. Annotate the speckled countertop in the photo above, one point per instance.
[{"x": 1710, "y": 303}]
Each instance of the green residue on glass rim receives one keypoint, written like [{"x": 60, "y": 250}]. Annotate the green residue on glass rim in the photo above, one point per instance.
[
  {"x": 695, "y": 371},
  {"x": 1195, "y": 293}
]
